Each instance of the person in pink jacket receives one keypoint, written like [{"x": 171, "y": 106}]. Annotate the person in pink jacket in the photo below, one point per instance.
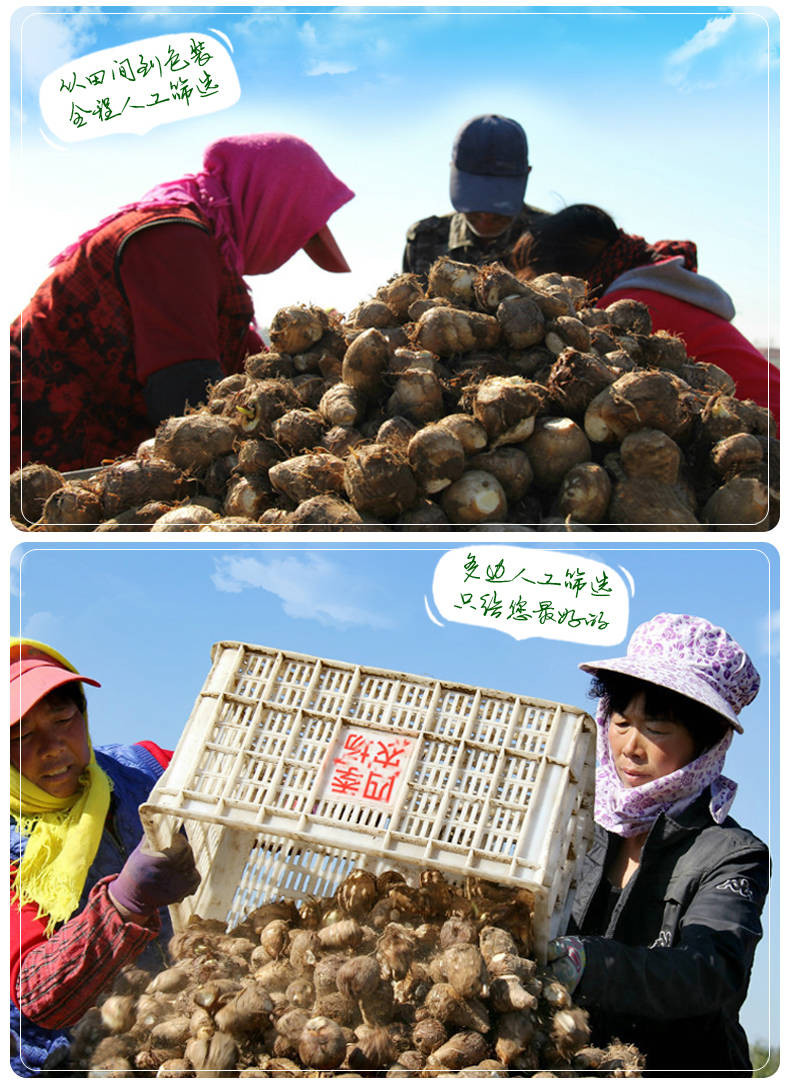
[{"x": 583, "y": 240}]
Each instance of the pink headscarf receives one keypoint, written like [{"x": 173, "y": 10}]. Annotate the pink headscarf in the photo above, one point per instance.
[
  {"x": 628, "y": 810},
  {"x": 265, "y": 196}
]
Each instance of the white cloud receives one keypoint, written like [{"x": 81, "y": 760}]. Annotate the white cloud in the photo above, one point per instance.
[
  {"x": 328, "y": 67},
  {"x": 312, "y": 588},
  {"x": 729, "y": 48}
]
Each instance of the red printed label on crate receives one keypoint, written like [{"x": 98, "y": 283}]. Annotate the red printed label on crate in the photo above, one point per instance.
[{"x": 367, "y": 767}]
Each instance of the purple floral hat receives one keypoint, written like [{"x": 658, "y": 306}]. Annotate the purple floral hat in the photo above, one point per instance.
[{"x": 691, "y": 656}]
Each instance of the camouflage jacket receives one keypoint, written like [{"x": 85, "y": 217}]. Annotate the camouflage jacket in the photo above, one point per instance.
[{"x": 450, "y": 235}]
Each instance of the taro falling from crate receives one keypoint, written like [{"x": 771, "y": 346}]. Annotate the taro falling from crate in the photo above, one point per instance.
[{"x": 293, "y": 770}]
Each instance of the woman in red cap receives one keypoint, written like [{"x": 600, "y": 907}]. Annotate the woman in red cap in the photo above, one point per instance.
[
  {"x": 148, "y": 307},
  {"x": 87, "y": 894}
]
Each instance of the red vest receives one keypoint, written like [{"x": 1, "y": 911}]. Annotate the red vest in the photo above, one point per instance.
[{"x": 75, "y": 396}]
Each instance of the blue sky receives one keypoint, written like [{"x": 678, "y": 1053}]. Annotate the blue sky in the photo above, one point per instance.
[
  {"x": 141, "y": 618},
  {"x": 661, "y": 116}
]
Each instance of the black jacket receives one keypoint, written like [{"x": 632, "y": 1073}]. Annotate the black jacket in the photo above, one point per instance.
[{"x": 671, "y": 968}]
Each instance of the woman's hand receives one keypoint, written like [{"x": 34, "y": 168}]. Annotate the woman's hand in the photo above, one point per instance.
[
  {"x": 567, "y": 958},
  {"x": 150, "y": 879}
]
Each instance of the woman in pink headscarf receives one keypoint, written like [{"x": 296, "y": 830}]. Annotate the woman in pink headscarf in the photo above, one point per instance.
[{"x": 148, "y": 307}]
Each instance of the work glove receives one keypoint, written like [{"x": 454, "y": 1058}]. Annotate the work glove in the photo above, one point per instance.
[
  {"x": 151, "y": 879},
  {"x": 566, "y": 959}
]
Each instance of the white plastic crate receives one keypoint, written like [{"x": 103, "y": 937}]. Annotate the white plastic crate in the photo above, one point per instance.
[{"x": 293, "y": 770}]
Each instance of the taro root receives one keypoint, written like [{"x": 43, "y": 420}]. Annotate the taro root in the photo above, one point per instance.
[
  {"x": 375, "y": 1048},
  {"x": 400, "y": 293},
  {"x": 365, "y": 361},
  {"x": 512, "y": 1034},
  {"x": 469, "y": 431},
  {"x": 476, "y": 497},
  {"x": 396, "y": 431},
  {"x": 704, "y": 376},
  {"x": 452, "y": 280},
  {"x": 255, "y": 456},
  {"x": 739, "y": 504},
  {"x": 665, "y": 350},
  {"x": 372, "y": 313},
  {"x": 506, "y": 406},
  {"x": 296, "y": 328},
  {"x": 305, "y": 476},
  {"x": 725, "y": 416},
  {"x": 340, "y": 935},
  {"x": 428, "y": 1035},
  {"x": 494, "y": 283},
  {"x": 464, "y": 1049},
  {"x": 413, "y": 358},
  {"x": 521, "y": 321},
  {"x": 465, "y": 969},
  {"x": 339, "y": 440},
  {"x": 640, "y": 501},
  {"x": 507, "y": 993},
  {"x": 423, "y": 515},
  {"x": 575, "y": 379},
  {"x": 629, "y": 315},
  {"x": 651, "y": 453},
  {"x": 31, "y": 486},
  {"x": 735, "y": 454},
  {"x": 437, "y": 458},
  {"x": 636, "y": 400},
  {"x": 326, "y": 511},
  {"x": 357, "y": 894},
  {"x": 269, "y": 366},
  {"x": 444, "y": 1003},
  {"x": 221, "y": 391},
  {"x": 214, "y": 1057},
  {"x": 553, "y": 296},
  {"x": 72, "y": 507},
  {"x": 188, "y": 517},
  {"x": 117, "y": 1013},
  {"x": 378, "y": 480},
  {"x": 567, "y": 331},
  {"x": 417, "y": 396},
  {"x": 342, "y": 405},
  {"x": 584, "y": 493},
  {"x": 219, "y": 472},
  {"x": 247, "y": 497},
  {"x": 255, "y": 409},
  {"x": 322, "y": 1044},
  {"x": 298, "y": 430},
  {"x": 194, "y": 441},
  {"x": 446, "y": 331},
  {"x": 556, "y": 445},
  {"x": 510, "y": 466},
  {"x": 570, "y": 1031}
]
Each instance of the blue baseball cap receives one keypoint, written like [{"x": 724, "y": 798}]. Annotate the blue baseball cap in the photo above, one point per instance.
[{"x": 490, "y": 166}]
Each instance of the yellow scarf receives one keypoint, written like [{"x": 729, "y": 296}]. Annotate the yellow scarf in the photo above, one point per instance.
[{"x": 63, "y": 837}]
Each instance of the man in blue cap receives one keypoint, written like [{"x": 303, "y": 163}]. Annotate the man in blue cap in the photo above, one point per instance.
[{"x": 488, "y": 178}]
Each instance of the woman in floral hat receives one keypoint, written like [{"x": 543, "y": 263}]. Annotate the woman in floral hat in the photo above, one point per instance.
[
  {"x": 87, "y": 894},
  {"x": 667, "y": 914}
]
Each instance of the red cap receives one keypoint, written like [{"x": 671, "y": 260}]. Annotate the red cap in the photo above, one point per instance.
[
  {"x": 34, "y": 677},
  {"x": 323, "y": 250}
]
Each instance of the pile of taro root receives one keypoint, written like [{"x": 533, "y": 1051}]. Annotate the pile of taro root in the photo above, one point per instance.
[
  {"x": 487, "y": 403},
  {"x": 384, "y": 979}
]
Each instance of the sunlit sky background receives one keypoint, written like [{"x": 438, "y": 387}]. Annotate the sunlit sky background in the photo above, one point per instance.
[
  {"x": 141, "y": 618},
  {"x": 665, "y": 117}
]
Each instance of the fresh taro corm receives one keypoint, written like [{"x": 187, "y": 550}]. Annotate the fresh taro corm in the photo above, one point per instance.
[
  {"x": 386, "y": 977},
  {"x": 482, "y": 401}
]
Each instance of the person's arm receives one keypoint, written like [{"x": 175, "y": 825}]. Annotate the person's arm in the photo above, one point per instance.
[
  {"x": 170, "y": 273},
  {"x": 708, "y": 966},
  {"x": 54, "y": 980}
]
